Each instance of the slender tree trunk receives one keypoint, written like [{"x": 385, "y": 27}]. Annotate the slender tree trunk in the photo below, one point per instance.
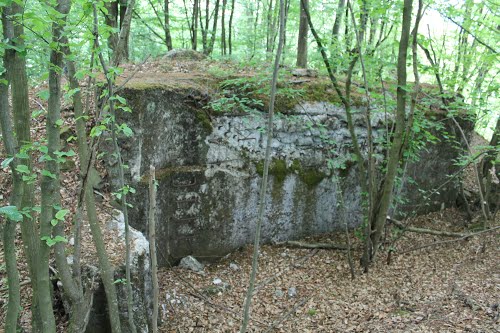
[
  {"x": 104, "y": 264},
  {"x": 269, "y": 31},
  {"x": 263, "y": 187},
  {"x": 9, "y": 232},
  {"x": 194, "y": 35},
  {"x": 168, "y": 36},
  {"x": 214, "y": 28},
  {"x": 223, "y": 28},
  {"x": 121, "y": 50},
  {"x": 72, "y": 288},
  {"x": 20, "y": 105},
  {"x": 111, "y": 20},
  {"x": 397, "y": 143},
  {"x": 152, "y": 244},
  {"x": 302, "y": 39},
  {"x": 338, "y": 21},
  {"x": 230, "y": 33}
]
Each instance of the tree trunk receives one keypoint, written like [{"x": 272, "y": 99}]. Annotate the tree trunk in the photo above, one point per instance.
[
  {"x": 111, "y": 20},
  {"x": 9, "y": 232},
  {"x": 394, "y": 153},
  {"x": 302, "y": 41},
  {"x": 123, "y": 18},
  {"x": 122, "y": 46},
  {"x": 263, "y": 187},
  {"x": 214, "y": 28},
  {"x": 107, "y": 274},
  {"x": 230, "y": 33},
  {"x": 338, "y": 21},
  {"x": 20, "y": 105},
  {"x": 194, "y": 24},
  {"x": 223, "y": 28},
  {"x": 168, "y": 36}
]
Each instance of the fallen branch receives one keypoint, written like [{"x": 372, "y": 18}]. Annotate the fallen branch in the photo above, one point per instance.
[
  {"x": 401, "y": 225},
  {"x": 451, "y": 240},
  {"x": 305, "y": 245},
  {"x": 286, "y": 315}
]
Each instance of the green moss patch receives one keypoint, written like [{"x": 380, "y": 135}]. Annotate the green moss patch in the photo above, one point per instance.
[
  {"x": 311, "y": 177},
  {"x": 204, "y": 120}
]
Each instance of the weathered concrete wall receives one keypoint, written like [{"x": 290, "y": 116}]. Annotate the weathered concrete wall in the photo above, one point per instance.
[{"x": 209, "y": 170}]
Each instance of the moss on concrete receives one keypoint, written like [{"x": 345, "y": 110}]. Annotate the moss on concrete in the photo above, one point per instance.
[
  {"x": 311, "y": 177},
  {"x": 204, "y": 120},
  {"x": 278, "y": 168}
]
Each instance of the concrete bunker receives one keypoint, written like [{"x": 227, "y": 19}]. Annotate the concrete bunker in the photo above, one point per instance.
[{"x": 209, "y": 165}]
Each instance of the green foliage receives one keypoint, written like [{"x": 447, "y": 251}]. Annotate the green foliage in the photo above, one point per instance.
[
  {"x": 11, "y": 213},
  {"x": 51, "y": 241}
]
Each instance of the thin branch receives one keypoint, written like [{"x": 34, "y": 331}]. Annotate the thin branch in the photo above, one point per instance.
[
  {"x": 473, "y": 35},
  {"x": 450, "y": 240}
]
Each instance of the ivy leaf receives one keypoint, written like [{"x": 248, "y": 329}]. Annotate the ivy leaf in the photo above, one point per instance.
[
  {"x": 59, "y": 122},
  {"x": 11, "y": 213}
]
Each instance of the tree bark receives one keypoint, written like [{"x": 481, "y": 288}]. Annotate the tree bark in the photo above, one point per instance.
[
  {"x": 230, "y": 32},
  {"x": 9, "y": 232},
  {"x": 20, "y": 105},
  {"x": 104, "y": 264},
  {"x": 121, "y": 50},
  {"x": 223, "y": 28},
  {"x": 338, "y": 22},
  {"x": 211, "y": 44},
  {"x": 194, "y": 24},
  {"x": 168, "y": 36},
  {"x": 394, "y": 153},
  {"x": 302, "y": 39}
]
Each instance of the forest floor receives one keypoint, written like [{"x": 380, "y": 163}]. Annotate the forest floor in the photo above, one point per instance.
[{"x": 448, "y": 287}]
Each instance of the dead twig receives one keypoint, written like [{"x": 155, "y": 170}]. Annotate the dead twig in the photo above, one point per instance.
[{"x": 305, "y": 245}]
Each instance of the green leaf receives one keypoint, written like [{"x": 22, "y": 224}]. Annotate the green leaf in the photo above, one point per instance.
[
  {"x": 22, "y": 155},
  {"x": 54, "y": 222},
  {"x": 21, "y": 168},
  {"x": 44, "y": 95},
  {"x": 49, "y": 174},
  {"x": 61, "y": 214},
  {"x": 6, "y": 162},
  {"x": 59, "y": 122},
  {"x": 11, "y": 213},
  {"x": 37, "y": 113}
]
